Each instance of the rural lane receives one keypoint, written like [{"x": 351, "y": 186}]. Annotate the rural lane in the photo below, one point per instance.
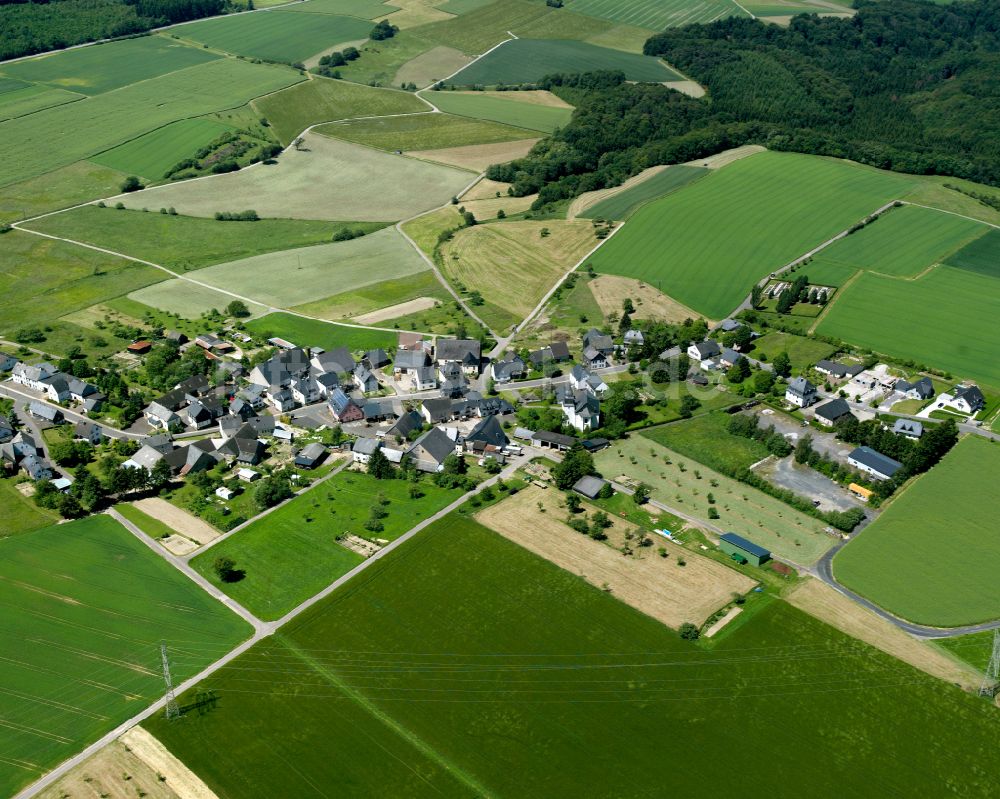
[{"x": 7, "y": 390}]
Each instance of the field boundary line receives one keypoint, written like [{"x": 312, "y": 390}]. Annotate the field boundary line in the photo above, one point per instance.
[
  {"x": 952, "y": 213},
  {"x": 738, "y": 5},
  {"x": 836, "y": 296}
]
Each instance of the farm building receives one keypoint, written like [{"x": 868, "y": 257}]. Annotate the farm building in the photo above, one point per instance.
[
  {"x": 589, "y": 486},
  {"x": 876, "y": 464},
  {"x": 364, "y": 448},
  {"x": 140, "y": 347},
  {"x": 739, "y": 548},
  {"x": 546, "y": 439},
  {"x": 310, "y": 456},
  {"x": 46, "y": 412}
]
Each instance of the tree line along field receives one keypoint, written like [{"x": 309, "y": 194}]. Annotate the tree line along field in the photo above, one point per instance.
[
  {"x": 732, "y": 227},
  {"x": 506, "y": 109},
  {"x": 39, "y": 143},
  {"x": 423, "y": 132},
  {"x": 534, "y": 666},
  {"x": 183, "y": 243},
  {"x": 294, "y": 552},
  {"x": 529, "y": 60},
  {"x": 85, "y": 606},
  {"x": 623, "y": 204},
  {"x": 931, "y": 557}
]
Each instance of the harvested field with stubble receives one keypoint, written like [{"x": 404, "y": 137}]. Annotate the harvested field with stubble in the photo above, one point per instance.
[
  {"x": 393, "y": 311},
  {"x": 655, "y": 585},
  {"x": 428, "y": 131},
  {"x": 426, "y": 68},
  {"x": 477, "y": 157},
  {"x": 611, "y": 290},
  {"x": 178, "y": 519},
  {"x": 488, "y": 208},
  {"x": 327, "y": 179}
]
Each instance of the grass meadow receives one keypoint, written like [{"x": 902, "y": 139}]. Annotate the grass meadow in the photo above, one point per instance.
[
  {"x": 625, "y": 203},
  {"x": 85, "y": 606},
  {"x": 478, "y": 30},
  {"x": 507, "y": 110},
  {"x": 462, "y": 653},
  {"x": 313, "y": 333},
  {"x": 737, "y": 224},
  {"x": 275, "y": 35},
  {"x": 38, "y": 143},
  {"x": 946, "y": 319},
  {"x": 317, "y": 100},
  {"x": 293, "y": 553},
  {"x": 823, "y": 272},
  {"x": 151, "y": 155},
  {"x": 981, "y": 255},
  {"x": 24, "y": 101},
  {"x": 112, "y": 65},
  {"x": 932, "y": 556},
  {"x": 680, "y": 482},
  {"x": 363, "y": 9},
  {"x": 707, "y": 439},
  {"x": 187, "y": 299},
  {"x": 423, "y": 132},
  {"x": 529, "y": 60},
  {"x": 20, "y": 513},
  {"x": 383, "y": 294},
  {"x": 658, "y": 14},
  {"x": 975, "y": 648},
  {"x": 188, "y": 242},
  {"x": 802, "y": 351},
  {"x": 60, "y": 188}
]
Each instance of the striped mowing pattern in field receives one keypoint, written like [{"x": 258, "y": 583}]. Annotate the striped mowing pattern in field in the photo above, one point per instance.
[
  {"x": 658, "y": 14},
  {"x": 981, "y": 255},
  {"x": 24, "y": 101}
]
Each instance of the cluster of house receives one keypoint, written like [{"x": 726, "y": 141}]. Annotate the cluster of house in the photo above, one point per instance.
[
  {"x": 19, "y": 450},
  {"x": 57, "y": 386}
]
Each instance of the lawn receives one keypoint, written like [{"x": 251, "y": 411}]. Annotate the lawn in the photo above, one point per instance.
[
  {"x": 33, "y": 98},
  {"x": 625, "y": 203},
  {"x": 371, "y": 297},
  {"x": 462, "y": 653},
  {"x": 923, "y": 560},
  {"x": 802, "y": 351},
  {"x": 904, "y": 241},
  {"x": 946, "y": 319},
  {"x": 707, "y": 439},
  {"x": 294, "y": 277},
  {"x": 20, "y": 513},
  {"x": 313, "y": 333},
  {"x": 42, "y": 279},
  {"x": 85, "y": 606},
  {"x": 658, "y": 14},
  {"x": 154, "y": 528},
  {"x": 681, "y": 483},
  {"x": 981, "y": 255},
  {"x": 187, "y": 299},
  {"x": 530, "y": 60},
  {"x": 275, "y": 35},
  {"x": 824, "y": 272},
  {"x": 507, "y": 110},
  {"x": 150, "y": 156},
  {"x": 358, "y": 183},
  {"x": 112, "y": 65},
  {"x": 39, "y": 143},
  {"x": 293, "y": 552},
  {"x": 734, "y": 226},
  {"x": 187, "y": 242},
  {"x": 423, "y": 132},
  {"x": 291, "y": 111},
  {"x": 61, "y": 188}
]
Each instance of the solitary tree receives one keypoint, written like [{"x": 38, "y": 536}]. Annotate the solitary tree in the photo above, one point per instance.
[{"x": 379, "y": 466}]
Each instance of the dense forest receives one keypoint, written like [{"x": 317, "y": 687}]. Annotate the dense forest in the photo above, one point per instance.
[
  {"x": 36, "y": 27},
  {"x": 907, "y": 85}
]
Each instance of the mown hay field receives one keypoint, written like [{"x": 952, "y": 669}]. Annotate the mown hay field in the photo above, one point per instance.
[
  {"x": 400, "y": 690},
  {"x": 423, "y": 132},
  {"x": 326, "y": 179},
  {"x": 529, "y": 60},
  {"x": 61, "y": 135},
  {"x": 24, "y": 101},
  {"x": 187, "y": 299},
  {"x": 314, "y": 333},
  {"x": 188, "y": 242},
  {"x": 61, "y": 188},
  {"x": 622, "y": 204},
  {"x": 735, "y": 225},
  {"x": 111, "y": 65},
  {"x": 981, "y": 255},
  {"x": 506, "y": 109},
  {"x": 363, "y": 9},
  {"x": 932, "y": 556},
  {"x": 946, "y": 319},
  {"x": 85, "y": 606}
]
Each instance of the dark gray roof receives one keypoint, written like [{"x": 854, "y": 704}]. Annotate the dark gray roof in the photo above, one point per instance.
[
  {"x": 458, "y": 349},
  {"x": 908, "y": 427},
  {"x": 366, "y": 446},
  {"x": 410, "y": 359},
  {"x": 589, "y": 485},
  {"x": 834, "y": 409},
  {"x": 489, "y": 431},
  {"x": 745, "y": 545},
  {"x": 406, "y": 424},
  {"x": 972, "y": 395},
  {"x": 549, "y": 437},
  {"x": 876, "y": 460},
  {"x": 310, "y": 454},
  {"x": 801, "y": 386},
  {"x": 707, "y": 348},
  {"x": 437, "y": 444},
  {"x": 438, "y": 408}
]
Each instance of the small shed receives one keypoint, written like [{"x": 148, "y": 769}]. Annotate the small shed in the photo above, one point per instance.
[
  {"x": 140, "y": 347},
  {"x": 225, "y": 493},
  {"x": 742, "y": 550},
  {"x": 248, "y": 475},
  {"x": 589, "y": 486},
  {"x": 309, "y": 457}
]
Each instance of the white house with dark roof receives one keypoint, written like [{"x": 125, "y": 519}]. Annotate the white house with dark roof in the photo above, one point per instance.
[
  {"x": 581, "y": 379},
  {"x": 429, "y": 452},
  {"x": 829, "y": 413},
  {"x": 967, "y": 399},
  {"x": 873, "y": 463},
  {"x": 922, "y": 389},
  {"x": 702, "y": 351},
  {"x": 32, "y": 376},
  {"x": 581, "y": 409},
  {"x": 800, "y": 393},
  {"x": 465, "y": 352}
]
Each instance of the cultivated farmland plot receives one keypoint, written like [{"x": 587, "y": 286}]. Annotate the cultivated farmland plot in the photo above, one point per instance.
[
  {"x": 324, "y": 179},
  {"x": 506, "y": 109},
  {"x": 533, "y": 667},
  {"x": 659, "y": 14},
  {"x": 150, "y": 156},
  {"x": 33, "y": 98},
  {"x": 85, "y": 606},
  {"x": 423, "y": 132},
  {"x": 314, "y": 333}
]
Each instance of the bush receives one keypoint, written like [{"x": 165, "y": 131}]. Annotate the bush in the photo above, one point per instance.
[
  {"x": 236, "y": 216},
  {"x": 688, "y": 631},
  {"x": 131, "y": 183}
]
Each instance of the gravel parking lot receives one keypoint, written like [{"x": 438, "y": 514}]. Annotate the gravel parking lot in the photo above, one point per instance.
[{"x": 809, "y": 483}]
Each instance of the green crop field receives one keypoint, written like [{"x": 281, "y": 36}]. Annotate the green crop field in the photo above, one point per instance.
[
  {"x": 314, "y": 333},
  {"x": 975, "y": 648},
  {"x": 293, "y": 277},
  {"x": 188, "y": 300},
  {"x": 680, "y": 482},
  {"x": 363, "y": 9},
  {"x": 707, "y": 439},
  {"x": 275, "y": 35},
  {"x": 103, "y": 67},
  {"x": 463, "y": 6},
  {"x": 39, "y": 143},
  {"x": 932, "y": 556},
  {"x": 85, "y": 606},
  {"x": 480, "y": 29},
  {"x": 380, "y": 295},
  {"x": 822, "y": 272},
  {"x": 42, "y": 279},
  {"x": 60, "y": 188},
  {"x": 322, "y": 100},
  {"x": 151, "y": 155},
  {"x": 946, "y": 319},
  {"x": 658, "y": 14},
  {"x": 501, "y": 109},
  {"x": 802, "y": 351},
  {"x": 293, "y": 553},
  {"x": 625, "y": 203},
  {"x": 30, "y": 99},
  {"x": 358, "y": 183},
  {"x": 529, "y": 60},
  {"x": 737, "y": 224},
  {"x": 904, "y": 241},
  {"x": 423, "y": 132},
  {"x": 188, "y": 242},
  {"x": 20, "y": 513},
  {"x": 462, "y": 653},
  {"x": 981, "y": 255}
]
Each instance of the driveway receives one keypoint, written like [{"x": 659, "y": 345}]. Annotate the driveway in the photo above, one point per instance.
[{"x": 809, "y": 483}]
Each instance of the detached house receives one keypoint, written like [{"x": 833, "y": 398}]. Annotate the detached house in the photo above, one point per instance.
[
  {"x": 365, "y": 380},
  {"x": 581, "y": 409},
  {"x": 581, "y": 379},
  {"x": 599, "y": 341},
  {"x": 364, "y": 448},
  {"x": 337, "y": 361},
  {"x": 832, "y": 412},
  {"x": 408, "y": 361},
  {"x": 800, "y": 393},
  {"x": 464, "y": 352},
  {"x": 702, "y": 351},
  {"x": 486, "y": 435},
  {"x": 967, "y": 399},
  {"x": 879, "y": 466},
  {"x": 923, "y": 389},
  {"x": 594, "y": 358},
  {"x": 633, "y": 337},
  {"x": 343, "y": 408},
  {"x": 429, "y": 452},
  {"x": 508, "y": 369},
  {"x": 838, "y": 370},
  {"x": 908, "y": 428},
  {"x": 556, "y": 352}
]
